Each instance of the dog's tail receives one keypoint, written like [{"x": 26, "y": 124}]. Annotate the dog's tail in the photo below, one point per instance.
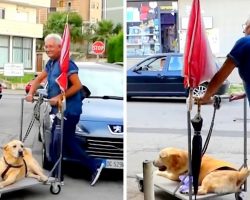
[{"x": 243, "y": 174}]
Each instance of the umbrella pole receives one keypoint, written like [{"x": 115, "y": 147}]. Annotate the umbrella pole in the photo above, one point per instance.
[{"x": 189, "y": 108}]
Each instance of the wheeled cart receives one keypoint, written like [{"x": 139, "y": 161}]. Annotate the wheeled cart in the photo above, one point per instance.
[
  {"x": 54, "y": 182},
  {"x": 148, "y": 179}
]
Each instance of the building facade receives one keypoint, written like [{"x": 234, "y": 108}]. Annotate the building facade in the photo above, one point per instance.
[
  {"x": 113, "y": 10},
  {"x": 160, "y": 26},
  {"x": 19, "y": 31}
]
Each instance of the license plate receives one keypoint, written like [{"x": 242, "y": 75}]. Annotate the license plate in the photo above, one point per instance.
[{"x": 114, "y": 164}]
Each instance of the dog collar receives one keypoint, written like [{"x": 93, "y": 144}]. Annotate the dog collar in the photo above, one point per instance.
[{"x": 13, "y": 166}]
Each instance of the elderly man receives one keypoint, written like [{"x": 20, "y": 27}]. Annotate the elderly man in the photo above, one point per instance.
[
  {"x": 238, "y": 57},
  {"x": 73, "y": 101}
]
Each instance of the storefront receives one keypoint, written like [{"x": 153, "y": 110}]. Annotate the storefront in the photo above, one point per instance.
[
  {"x": 161, "y": 26},
  {"x": 151, "y": 27}
]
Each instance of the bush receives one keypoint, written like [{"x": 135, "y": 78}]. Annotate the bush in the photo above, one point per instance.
[
  {"x": 115, "y": 48},
  {"x": 25, "y": 79}
]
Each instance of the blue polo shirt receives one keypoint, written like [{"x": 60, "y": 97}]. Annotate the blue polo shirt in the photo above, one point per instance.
[
  {"x": 241, "y": 57},
  {"x": 73, "y": 103}
]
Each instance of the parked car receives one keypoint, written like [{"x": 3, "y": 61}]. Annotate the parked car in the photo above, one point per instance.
[
  {"x": 28, "y": 85},
  {"x": 100, "y": 129},
  {"x": 162, "y": 75},
  {"x": 1, "y": 90}
]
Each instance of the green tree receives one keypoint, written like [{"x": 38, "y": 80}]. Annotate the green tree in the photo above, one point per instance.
[
  {"x": 56, "y": 23},
  {"x": 103, "y": 30}
]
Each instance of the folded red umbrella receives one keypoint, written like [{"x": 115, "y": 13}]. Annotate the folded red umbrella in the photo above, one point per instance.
[
  {"x": 62, "y": 80},
  {"x": 199, "y": 64}
]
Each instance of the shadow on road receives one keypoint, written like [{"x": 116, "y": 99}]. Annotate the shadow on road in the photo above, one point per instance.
[{"x": 80, "y": 172}]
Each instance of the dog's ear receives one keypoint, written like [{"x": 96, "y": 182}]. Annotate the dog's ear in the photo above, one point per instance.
[
  {"x": 163, "y": 154},
  {"x": 5, "y": 147},
  {"x": 26, "y": 150}
]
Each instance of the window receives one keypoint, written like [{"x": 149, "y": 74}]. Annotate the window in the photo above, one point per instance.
[
  {"x": 153, "y": 64},
  {"x": 60, "y": 3},
  {"x": 22, "y": 51},
  {"x": 4, "y": 50},
  {"x": 52, "y": 9},
  {"x": 93, "y": 5},
  {"x": 175, "y": 63},
  {"x": 2, "y": 13}
]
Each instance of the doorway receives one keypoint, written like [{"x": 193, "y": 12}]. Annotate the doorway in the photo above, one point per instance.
[{"x": 169, "y": 31}]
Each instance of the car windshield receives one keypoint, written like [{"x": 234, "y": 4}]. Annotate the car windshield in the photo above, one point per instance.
[{"x": 102, "y": 82}]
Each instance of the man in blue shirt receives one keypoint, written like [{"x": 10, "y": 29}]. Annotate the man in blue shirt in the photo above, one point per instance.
[
  {"x": 73, "y": 101},
  {"x": 238, "y": 57}
]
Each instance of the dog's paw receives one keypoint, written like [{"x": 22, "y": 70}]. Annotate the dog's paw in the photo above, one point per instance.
[
  {"x": 201, "y": 191},
  {"x": 43, "y": 178},
  {"x": 159, "y": 173},
  {"x": 1, "y": 186}
]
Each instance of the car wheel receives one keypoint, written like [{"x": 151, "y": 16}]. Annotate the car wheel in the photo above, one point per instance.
[{"x": 200, "y": 90}]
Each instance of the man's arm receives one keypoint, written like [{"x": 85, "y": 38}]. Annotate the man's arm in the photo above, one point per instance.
[
  {"x": 217, "y": 80},
  {"x": 35, "y": 85}
]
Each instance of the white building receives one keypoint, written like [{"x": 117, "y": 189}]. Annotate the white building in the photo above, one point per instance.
[{"x": 18, "y": 32}]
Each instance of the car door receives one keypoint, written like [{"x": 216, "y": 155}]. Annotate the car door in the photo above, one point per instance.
[
  {"x": 174, "y": 76},
  {"x": 147, "y": 78}
]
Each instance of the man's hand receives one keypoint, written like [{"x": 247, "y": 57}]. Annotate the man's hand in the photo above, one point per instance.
[
  {"x": 55, "y": 100},
  {"x": 237, "y": 96},
  {"x": 203, "y": 100},
  {"x": 29, "y": 98}
]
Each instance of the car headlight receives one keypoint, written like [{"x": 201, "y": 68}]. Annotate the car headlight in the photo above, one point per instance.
[{"x": 80, "y": 129}]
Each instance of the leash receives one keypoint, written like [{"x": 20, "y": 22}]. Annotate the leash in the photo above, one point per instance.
[
  {"x": 217, "y": 101},
  {"x": 35, "y": 116}
]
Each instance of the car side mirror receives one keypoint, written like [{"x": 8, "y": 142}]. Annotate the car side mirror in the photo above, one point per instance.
[{"x": 137, "y": 69}]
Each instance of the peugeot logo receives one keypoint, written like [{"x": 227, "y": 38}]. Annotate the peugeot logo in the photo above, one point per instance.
[{"x": 116, "y": 129}]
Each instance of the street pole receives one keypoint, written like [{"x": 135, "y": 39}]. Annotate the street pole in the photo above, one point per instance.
[{"x": 148, "y": 183}]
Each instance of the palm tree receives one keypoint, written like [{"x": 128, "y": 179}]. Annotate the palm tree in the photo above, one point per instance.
[{"x": 103, "y": 30}]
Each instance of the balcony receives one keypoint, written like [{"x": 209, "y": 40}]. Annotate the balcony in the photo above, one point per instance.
[{"x": 8, "y": 27}]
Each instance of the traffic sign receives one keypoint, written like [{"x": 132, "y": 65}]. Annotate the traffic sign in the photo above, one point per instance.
[{"x": 98, "y": 47}]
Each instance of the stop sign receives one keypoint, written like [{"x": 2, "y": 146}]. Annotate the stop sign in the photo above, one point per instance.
[{"x": 98, "y": 47}]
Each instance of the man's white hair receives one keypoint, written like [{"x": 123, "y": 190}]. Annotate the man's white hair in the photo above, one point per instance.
[{"x": 56, "y": 37}]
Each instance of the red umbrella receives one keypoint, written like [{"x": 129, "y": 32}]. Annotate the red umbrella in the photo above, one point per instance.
[
  {"x": 62, "y": 80},
  {"x": 199, "y": 64}
]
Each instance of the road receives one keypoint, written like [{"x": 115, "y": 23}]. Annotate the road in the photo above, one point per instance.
[
  {"x": 154, "y": 124},
  {"x": 109, "y": 186}
]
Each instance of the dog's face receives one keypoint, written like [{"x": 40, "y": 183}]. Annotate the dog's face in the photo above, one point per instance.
[
  {"x": 172, "y": 159},
  {"x": 15, "y": 148}
]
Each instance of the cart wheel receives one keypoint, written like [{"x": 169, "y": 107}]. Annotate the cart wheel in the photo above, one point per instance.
[
  {"x": 140, "y": 186},
  {"x": 239, "y": 196},
  {"x": 55, "y": 188}
]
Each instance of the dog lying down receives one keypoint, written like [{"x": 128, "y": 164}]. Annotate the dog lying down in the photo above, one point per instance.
[
  {"x": 216, "y": 176},
  {"x": 17, "y": 163}
]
